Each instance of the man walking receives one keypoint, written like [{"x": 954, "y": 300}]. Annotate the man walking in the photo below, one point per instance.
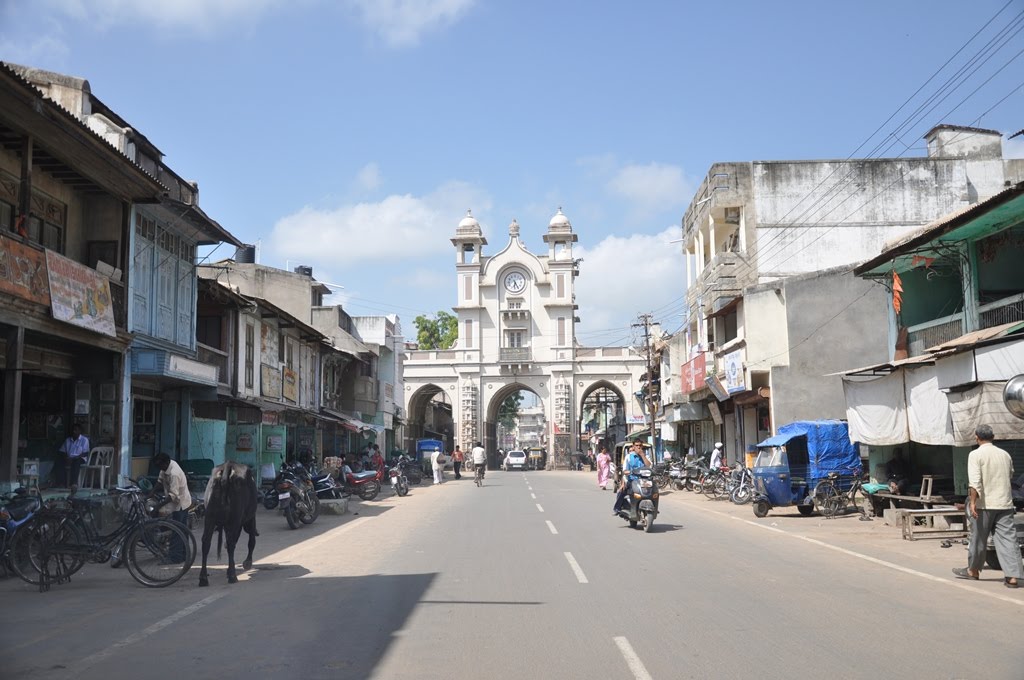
[
  {"x": 990, "y": 510},
  {"x": 457, "y": 459}
]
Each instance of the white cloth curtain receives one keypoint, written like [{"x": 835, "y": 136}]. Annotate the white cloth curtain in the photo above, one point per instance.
[
  {"x": 876, "y": 410},
  {"x": 928, "y": 416},
  {"x": 982, "y": 404}
]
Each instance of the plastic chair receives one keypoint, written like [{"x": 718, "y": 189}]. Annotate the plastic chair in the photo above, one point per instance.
[{"x": 95, "y": 470}]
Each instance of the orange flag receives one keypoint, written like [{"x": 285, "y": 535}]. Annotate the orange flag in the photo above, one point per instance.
[{"x": 897, "y": 292}]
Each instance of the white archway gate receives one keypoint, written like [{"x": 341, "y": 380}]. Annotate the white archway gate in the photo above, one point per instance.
[{"x": 516, "y": 318}]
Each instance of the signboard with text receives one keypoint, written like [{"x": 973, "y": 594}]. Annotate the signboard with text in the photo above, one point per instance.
[
  {"x": 79, "y": 295},
  {"x": 734, "y": 379},
  {"x": 694, "y": 371},
  {"x": 291, "y": 385},
  {"x": 23, "y": 272}
]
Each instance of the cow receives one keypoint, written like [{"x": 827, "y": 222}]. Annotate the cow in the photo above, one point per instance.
[{"x": 230, "y": 507}]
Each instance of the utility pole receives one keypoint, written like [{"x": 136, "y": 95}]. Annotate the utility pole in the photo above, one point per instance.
[{"x": 644, "y": 321}]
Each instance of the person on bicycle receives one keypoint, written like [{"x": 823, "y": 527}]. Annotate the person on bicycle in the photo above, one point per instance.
[
  {"x": 174, "y": 483},
  {"x": 479, "y": 459},
  {"x": 635, "y": 460}
]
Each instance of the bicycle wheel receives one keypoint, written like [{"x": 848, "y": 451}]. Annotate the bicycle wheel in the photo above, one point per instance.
[
  {"x": 828, "y": 499},
  {"x": 36, "y": 554},
  {"x": 149, "y": 553}
]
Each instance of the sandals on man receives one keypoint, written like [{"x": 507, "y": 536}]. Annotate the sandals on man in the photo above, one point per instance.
[
  {"x": 963, "y": 573},
  {"x": 1008, "y": 584}
]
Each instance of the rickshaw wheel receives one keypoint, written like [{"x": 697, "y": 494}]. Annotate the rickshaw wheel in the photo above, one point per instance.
[
  {"x": 806, "y": 510},
  {"x": 761, "y": 508}
]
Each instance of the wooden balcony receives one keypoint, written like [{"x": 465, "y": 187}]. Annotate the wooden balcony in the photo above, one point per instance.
[{"x": 220, "y": 359}]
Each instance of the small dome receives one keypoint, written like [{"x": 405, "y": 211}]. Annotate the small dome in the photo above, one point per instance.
[
  {"x": 469, "y": 222},
  {"x": 559, "y": 221}
]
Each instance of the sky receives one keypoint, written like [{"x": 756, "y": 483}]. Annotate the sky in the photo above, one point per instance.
[{"x": 352, "y": 135}]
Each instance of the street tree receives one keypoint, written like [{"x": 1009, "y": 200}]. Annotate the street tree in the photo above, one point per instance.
[{"x": 439, "y": 332}]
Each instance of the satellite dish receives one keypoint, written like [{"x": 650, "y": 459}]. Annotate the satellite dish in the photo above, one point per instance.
[{"x": 1013, "y": 395}]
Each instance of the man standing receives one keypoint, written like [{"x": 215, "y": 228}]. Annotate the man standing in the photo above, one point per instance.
[
  {"x": 376, "y": 459},
  {"x": 437, "y": 464},
  {"x": 990, "y": 510},
  {"x": 717, "y": 459},
  {"x": 176, "y": 495},
  {"x": 75, "y": 449},
  {"x": 457, "y": 458}
]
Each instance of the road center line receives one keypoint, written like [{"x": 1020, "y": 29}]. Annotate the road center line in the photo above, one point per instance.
[
  {"x": 533, "y": 496},
  {"x": 551, "y": 526},
  {"x": 874, "y": 560},
  {"x": 580, "y": 576},
  {"x": 540, "y": 508},
  {"x": 632, "y": 660},
  {"x": 143, "y": 634}
]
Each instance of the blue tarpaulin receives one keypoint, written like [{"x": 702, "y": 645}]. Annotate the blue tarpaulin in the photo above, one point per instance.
[{"x": 828, "y": 445}]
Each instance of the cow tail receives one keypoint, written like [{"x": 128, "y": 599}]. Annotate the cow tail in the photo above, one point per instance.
[{"x": 220, "y": 537}]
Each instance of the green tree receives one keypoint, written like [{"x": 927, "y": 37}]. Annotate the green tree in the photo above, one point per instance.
[
  {"x": 439, "y": 332},
  {"x": 508, "y": 412}
]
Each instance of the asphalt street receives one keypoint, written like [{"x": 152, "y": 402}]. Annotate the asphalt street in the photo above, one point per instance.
[{"x": 532, "y": 577}]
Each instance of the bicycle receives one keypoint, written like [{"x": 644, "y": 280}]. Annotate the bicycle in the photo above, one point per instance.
[
  {"x": 830, "y": 499},
  {"x": 60, "y": 540},
  {"x": 478, "y": 474}
]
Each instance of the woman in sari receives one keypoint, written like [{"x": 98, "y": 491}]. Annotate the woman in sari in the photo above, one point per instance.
[{"x": 603, "y": 467}]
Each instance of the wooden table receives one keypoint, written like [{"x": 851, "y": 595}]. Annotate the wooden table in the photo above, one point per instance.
[{"x": 912, "y": 530}]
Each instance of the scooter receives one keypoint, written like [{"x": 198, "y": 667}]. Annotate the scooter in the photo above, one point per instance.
[{"x": 643, "y": 500}]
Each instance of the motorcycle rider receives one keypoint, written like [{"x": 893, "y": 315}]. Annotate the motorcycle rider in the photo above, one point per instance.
[
  {"x": 635, "y": 460},
  {"x": 479, "y": 458}
]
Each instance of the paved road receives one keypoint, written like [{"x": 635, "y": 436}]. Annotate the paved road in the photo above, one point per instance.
[{"x": 531, "y": 576}]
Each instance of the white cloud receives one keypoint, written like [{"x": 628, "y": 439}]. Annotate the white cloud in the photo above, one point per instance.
[
  {"x": 623, "y": 276},
  {"x": 1013, "y": 148},
  {"x": 368, "y": 178},
  {"x": 652, "y": 188},
  {"x": 395, "y": 228},
  {"x": 401, "y": 23}
]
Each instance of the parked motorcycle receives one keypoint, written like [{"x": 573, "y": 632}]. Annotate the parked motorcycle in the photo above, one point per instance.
[
  {"x": 399, "y": 483},
  {"x": 643, "y": 500},
  {"x": 366, "y": 485},
  {"x": 743, "y": 488},
  {"x": 296, "y": 494},
  {"x": 325, "y": 485},
  {"x": 413, "y": 472}
]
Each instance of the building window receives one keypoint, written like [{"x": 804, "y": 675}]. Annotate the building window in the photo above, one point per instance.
[
  {"x": 513, "y": 339},
  {"x": 469, "y": 334},
  {"x": 250, "y": 349},
  {"x": 560, "y": 286},
  {"x": 280, "y": 346},
  {"x": 515, "y": 304},
  {"x": 561, "y": 331},
  {"x": 6, "y": 215},
  {"x": 290, "y": 355},
  {"x": 467, "y": 288}
]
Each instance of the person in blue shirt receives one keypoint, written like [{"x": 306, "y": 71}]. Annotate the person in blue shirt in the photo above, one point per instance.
[{"x": 635, "y": 460}]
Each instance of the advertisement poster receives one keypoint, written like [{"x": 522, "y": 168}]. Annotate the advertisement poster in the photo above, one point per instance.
[
  {"x": 734, "y": 380},
  {"x": 23, "y": 272},
  {"x": 694, "y": 371},
  {"x": 291, "y": 385},
  {"x": 79, "y": 295},
  {"x": 270, "y": 381}
]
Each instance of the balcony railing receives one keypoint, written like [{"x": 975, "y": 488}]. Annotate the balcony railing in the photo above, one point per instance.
[
  {"x": 215, "y": 357},
  {"x": 724, "y": 278},
  {"x": 937, "y": 331},
  {"x": 1002, "y": 311},
  {"x": 515, "y": 355}
]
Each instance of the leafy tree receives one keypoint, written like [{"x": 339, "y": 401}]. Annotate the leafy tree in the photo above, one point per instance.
[
  {"x": 508, "y": 412},
  {"x": 439, "y": 332}
]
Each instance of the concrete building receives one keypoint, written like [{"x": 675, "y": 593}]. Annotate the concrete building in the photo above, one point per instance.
[
  {"x": 531, "y": 427},
  {"x": 517, "y": 315},
  {"x": 755, "y": 223}
]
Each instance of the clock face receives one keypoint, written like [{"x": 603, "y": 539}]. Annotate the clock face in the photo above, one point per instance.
[{"x": 515, "y": 282}]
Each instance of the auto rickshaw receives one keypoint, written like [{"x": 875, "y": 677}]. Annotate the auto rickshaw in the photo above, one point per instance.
[{"x": 789, "y": 465}]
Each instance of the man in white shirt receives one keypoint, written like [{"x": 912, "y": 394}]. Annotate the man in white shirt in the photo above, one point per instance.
[
  {"x": 990, "y": 509},
  {"x": 479, "y": 459},
  {"x": 437, "y": 463},
  {"x": 176, "y": 497},
  {"x": 76, "y": 450},
  {"x": 716, "y": 456}
]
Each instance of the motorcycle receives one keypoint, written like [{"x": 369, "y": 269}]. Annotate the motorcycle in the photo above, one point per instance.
[
  {"x": 325, "y": 485},
  {"x": 643, "y": 500},
  {"x": 398, "y": 480},
  {"x": 413, "y": 472},
  {"x": 743, "y": 491},
  {"x": 296, "y": 494},
  {"x": 366, "y": 485}
]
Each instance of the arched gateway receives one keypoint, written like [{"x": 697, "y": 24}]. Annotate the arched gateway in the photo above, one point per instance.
[{"x": 517, "y": 320}]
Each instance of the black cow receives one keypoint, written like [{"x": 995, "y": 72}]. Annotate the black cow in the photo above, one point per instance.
[{"x": 230, "y": 507}]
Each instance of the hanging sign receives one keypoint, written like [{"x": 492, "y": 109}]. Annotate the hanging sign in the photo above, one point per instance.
[
  {"x": 23, "y": 272},
  {"x": 79, "y": 295}
]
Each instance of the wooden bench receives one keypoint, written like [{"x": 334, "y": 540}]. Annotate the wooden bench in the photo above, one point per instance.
[{"x": 912, "y": 530}]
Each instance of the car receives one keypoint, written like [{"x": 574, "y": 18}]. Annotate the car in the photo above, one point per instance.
[{"x": 514, "y": 460}]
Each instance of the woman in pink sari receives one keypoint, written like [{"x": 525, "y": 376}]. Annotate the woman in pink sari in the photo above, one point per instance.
[{"x": 603, "y": 464}]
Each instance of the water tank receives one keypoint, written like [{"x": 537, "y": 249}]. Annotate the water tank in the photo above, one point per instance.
[
  {"x": 304, "y": 270},
  {"x": 245, "y": 254}
]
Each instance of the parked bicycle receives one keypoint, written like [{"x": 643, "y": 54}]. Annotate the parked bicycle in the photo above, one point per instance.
[
  {"x": 831, "y": 499},
  {"x": 60, "y": 539},
  {"x": 16, "y": 510}
]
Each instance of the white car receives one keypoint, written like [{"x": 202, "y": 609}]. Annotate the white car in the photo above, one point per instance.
[{"x": 514, "y": 460}]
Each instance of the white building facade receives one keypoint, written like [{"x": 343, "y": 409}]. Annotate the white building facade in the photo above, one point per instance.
[{"x": 516, "y": 315}]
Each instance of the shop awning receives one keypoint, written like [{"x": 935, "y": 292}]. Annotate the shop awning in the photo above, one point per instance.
[{"x": 346, "y": 421}]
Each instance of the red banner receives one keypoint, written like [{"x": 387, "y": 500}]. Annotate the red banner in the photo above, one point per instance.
[{"x": 693, "y": 374}]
